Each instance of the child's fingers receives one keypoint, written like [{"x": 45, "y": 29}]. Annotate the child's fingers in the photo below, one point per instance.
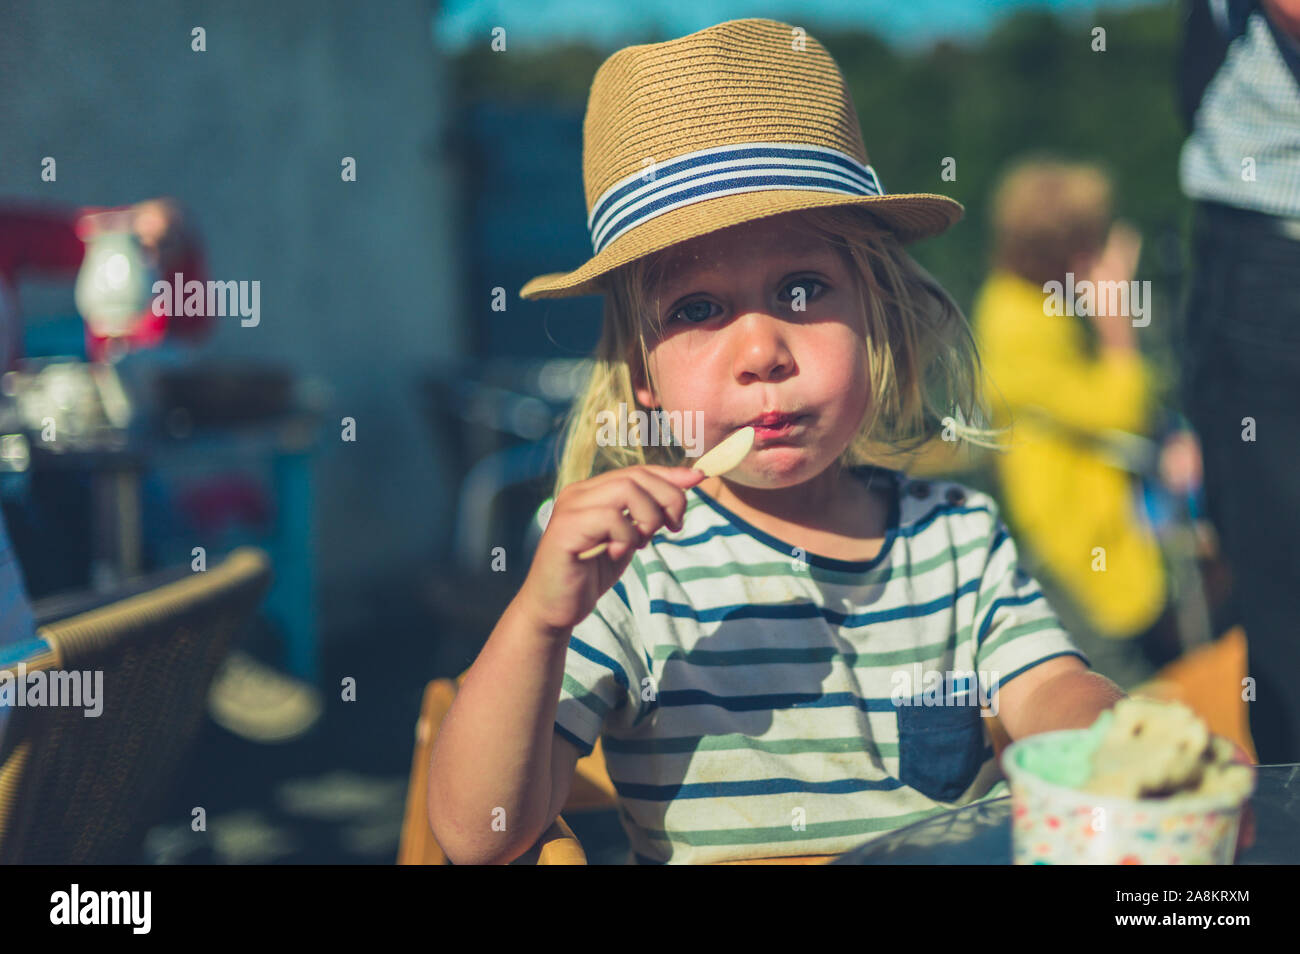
[
  {"x": 652, "y": 501},
  {"x": 627, "y": 494},
  {"x": 619, "y": 550},
  {"x": 668, "y": 489},
  {"x": 604, "y": 524},
  {"x": 630, "y": 505},
  {"x": 678, "y": 476}
]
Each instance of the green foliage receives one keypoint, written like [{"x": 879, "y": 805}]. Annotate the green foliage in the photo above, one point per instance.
[{"x": 559, "y": 75}]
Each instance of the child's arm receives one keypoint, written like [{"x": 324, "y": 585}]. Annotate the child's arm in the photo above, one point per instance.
[
  {"x": 491, "y": 758},
  {"x": 1061, "y": 693},
  {"x": 492, "y": 786}
]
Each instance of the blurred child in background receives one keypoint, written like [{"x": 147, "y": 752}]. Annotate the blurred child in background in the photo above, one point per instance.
[{"x": 1067, "y": 383}]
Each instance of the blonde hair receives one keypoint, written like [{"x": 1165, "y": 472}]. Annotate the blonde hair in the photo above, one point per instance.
[
  {"x": 1047, "y": 211},
  {"x": 923, "y": 364}
]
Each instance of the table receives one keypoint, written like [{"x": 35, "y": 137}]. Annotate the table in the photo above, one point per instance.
[{"x": 980, "y": 833}]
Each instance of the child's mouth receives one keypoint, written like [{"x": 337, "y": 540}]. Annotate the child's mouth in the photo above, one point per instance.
[{"x": 775, "y": 426}]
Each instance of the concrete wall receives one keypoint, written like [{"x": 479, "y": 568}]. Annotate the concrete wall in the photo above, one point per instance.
[{"x": 359, "y": 281}]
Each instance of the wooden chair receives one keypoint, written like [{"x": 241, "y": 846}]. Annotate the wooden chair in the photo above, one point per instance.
[
  {"x": 78, "y": 790},
  {"x": 557, "y": 846},
  {"x": 1208, "y": 680}
]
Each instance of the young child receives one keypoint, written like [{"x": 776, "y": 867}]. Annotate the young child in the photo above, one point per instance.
[
  {"x": 1071, "y": 381},
  {"x": 794, "y": 657}
]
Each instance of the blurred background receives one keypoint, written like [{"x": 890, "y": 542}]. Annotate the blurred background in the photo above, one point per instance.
[{"x": 382, "y": 427}]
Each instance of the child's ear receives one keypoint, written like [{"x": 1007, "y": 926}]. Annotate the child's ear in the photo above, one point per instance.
[
  {"x": 646, "y": 397},
  {"x": 640, "y": 388}
]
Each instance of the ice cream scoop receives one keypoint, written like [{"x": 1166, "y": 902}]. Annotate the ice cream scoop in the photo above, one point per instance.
[
  {"x": 1069, "y": 762},
  {"x": 1140, "y": 748},
  {"x": 1154, "y": 748}
]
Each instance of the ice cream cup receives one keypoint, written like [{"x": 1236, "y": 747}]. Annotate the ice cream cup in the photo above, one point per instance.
[{"x": 1055, "y": 824}]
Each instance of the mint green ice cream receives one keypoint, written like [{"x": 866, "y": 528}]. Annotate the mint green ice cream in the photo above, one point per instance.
[{"x": 1067, "y": 761}]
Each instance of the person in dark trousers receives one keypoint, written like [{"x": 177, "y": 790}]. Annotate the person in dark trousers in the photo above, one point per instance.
[{"x": 1240, "y": 95}]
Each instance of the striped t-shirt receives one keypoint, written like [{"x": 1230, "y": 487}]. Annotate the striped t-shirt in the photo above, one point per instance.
[
  {"x": 745, "y": 689},
  {"x": 1244, "y": 149}
]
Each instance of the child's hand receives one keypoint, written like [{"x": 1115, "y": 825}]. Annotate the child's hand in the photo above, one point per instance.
[
  {"x": 1180, "y": 462},
  {"x": 1117, "y": 263},
  {"x": 1118, "y": 260},
  {"x": 561, "y": 590}
]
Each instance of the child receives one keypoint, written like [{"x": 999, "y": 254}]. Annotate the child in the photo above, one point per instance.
[
  {"x": 1071, "y": 380},
  {"x": 793, "y": 658}
]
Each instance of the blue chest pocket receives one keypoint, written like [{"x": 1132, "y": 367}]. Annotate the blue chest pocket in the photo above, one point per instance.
[{"x": 940, "y": 748}]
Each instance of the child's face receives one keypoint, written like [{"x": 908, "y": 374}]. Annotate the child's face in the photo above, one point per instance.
[{"x": 734, "y": 346}]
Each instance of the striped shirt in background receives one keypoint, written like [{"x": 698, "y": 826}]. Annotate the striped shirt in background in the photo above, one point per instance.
[
  {"x": 16, "y": 622},
  {"x": 745, "y": 689},
  {"x": 1250, "y": 110}
]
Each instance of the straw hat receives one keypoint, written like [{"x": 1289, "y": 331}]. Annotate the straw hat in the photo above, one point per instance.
[{"x": 743, "y": 120}]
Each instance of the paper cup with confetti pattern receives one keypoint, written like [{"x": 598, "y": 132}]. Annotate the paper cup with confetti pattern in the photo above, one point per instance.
[{"x": 1055, "y": 823}]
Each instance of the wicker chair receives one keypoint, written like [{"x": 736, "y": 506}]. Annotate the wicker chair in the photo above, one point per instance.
[{"x": 78, "y": 790}]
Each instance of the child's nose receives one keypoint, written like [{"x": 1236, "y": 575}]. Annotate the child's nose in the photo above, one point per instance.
[{"x": 762, "y": 348}]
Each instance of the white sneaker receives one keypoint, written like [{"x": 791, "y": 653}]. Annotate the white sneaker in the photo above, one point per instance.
[{"x": 258, "y": 703}]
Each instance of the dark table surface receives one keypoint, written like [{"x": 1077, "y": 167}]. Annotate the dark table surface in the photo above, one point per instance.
[{"x": 980, "y": 833}]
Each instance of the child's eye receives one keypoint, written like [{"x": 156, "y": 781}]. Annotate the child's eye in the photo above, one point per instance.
[
  {"x": 806, "y": 284},
  {"x": 699, "y": 316}
]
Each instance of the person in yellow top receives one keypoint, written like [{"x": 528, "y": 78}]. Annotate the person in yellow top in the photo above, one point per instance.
[{"x": 1065, "y": 383}]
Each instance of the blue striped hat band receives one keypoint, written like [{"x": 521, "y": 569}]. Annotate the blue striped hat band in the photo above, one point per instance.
[{"x": 725, "y": 170}]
